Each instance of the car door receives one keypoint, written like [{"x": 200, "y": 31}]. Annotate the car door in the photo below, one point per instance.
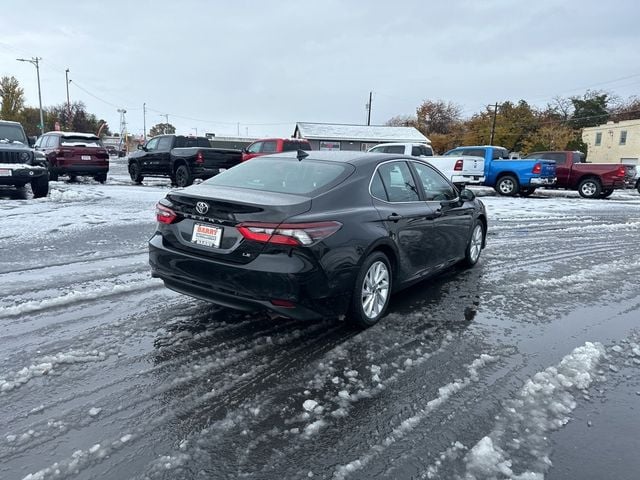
[
  {"x": 406, "y": 217},
  {"x": 146, "y": 156},
  {"x": 252, "y": 151},
  {"x": 451, "y": 219},
  {"x": 162, "y": 156}
]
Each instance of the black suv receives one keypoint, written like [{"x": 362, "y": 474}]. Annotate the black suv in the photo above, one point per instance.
[{"x": 19, "y": 163}]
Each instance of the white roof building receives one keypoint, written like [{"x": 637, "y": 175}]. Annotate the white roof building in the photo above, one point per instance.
[{"x": 357, "y": 133}]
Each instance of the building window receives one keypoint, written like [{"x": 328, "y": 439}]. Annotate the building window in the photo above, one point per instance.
[
  {"x": 598, "y": 138},
  {"x": 623, "y": 137},
  {"x": 328, "y": 145}
]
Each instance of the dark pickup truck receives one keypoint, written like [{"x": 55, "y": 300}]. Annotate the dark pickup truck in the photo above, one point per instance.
[
  {"x": 180, "y": 158},
  {"x": 592, "y": 180},
  {"x": 19, "y": 163}
]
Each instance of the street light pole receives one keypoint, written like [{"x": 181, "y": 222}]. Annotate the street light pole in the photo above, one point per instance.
[
  {"x": 34, "y": 61},
  {"x": 66, "y": 73},
  {"x": 144, "y": 121}
]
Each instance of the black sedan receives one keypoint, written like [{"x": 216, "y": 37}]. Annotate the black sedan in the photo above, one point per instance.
[{"x": 315, "y": 234}]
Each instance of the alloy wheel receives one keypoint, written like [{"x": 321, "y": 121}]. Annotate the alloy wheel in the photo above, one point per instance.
[
  {"x": 375, "y": 289},
  {"x": 476, "y": 244}
]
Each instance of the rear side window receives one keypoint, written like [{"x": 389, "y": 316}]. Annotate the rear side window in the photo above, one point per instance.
[
  {"x": 293, "y": 145},
  {"x": 377, "y": 188},
  {"x": 472, "y": 152},
  {"x": 421, "y": 151},
  {"x": 398, "y": 149},
  {"x": 164, "y": 143},
  {"x": 284, "y": 175},
  {"x": 398, "y": 182},
  {"x": 269, "y": 147},
  {"x": 79, "y": 141}
]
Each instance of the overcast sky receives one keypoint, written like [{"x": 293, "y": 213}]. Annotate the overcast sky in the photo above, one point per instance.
[{"x": 268, "y": 64}]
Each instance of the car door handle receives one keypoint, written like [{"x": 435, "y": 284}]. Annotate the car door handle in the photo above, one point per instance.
[{"x": 394, "y": 217}]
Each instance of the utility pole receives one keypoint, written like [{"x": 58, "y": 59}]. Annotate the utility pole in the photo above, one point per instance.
[
  {"x": 369, "y": 109},
  {"x": 493, "y": 125},
  {"x": 123, "y": 130},
  {"x": 166, "y": 125},
  {"x": 66, "y": 74},
  {"x": 34, "y": 61},
  {"x": 144, "y": 121}
]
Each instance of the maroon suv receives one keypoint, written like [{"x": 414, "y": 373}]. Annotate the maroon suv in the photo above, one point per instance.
[{"x": 74, "y": 154}]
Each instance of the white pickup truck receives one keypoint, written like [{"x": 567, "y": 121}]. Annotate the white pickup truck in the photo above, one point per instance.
[{"x": 460, "y": 170}]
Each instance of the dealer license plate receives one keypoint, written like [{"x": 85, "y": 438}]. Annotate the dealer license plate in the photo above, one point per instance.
[
  {"x": 5, "y": 172},
  {"x": 85, "y": 157},
  {"x": 206, "y": 235}
]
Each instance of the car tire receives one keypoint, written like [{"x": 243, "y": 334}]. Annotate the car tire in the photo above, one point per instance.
[
  {"x": 589, "y": 188},
  {"x": 183, "y": 176},
  {"x": 135, "y": 172},
  {"x": 606, "y": 193},
  {"x": 474, "y": 245},
  {"x": 507, "y": 186},
  {"x": 40, "y": 186},
  {"x": 527, "y": 191},
  {"x": 101, "y": 178},
  {"x": 372, "y": 291},
  {"x": 73, "y": 178},
  {"x": 638, "y": 186},
  {"x": 53, "y": 176}
]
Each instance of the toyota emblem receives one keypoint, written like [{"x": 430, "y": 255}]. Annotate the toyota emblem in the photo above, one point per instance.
[{"x": 202, "y": 208}]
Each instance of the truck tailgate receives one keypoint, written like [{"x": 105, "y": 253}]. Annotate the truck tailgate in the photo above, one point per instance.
[
  {"x": 472, "y": 166},
  {"x": 221, "y": 158}
]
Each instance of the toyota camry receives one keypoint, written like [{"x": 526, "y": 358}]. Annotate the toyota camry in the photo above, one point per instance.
[{"x": 315, "y": 234}]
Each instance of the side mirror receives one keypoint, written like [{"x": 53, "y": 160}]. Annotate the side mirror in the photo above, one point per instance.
[
  {"x": 32, "y": 140},
  {"x": 467, "y": 195},
  {"x": 141, "y": 147}
]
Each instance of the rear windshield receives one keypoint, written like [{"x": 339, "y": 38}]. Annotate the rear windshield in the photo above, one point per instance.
[
  {"x": 293, "y": 145},
  {"x": 284, "y": 175},
  {"x": 78, "y": 141},
  {"x": 182, "y": 142}
]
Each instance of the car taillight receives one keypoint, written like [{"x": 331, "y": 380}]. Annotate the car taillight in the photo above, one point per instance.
[
  {"x": 293, "y": 234},
  {"x": 165, "y": 214},
  {"x": 622, "y": 172},
  {"x": 458, "y": 166},
  {"x": 537, "y": 168},
  {"x": 199, "y": 158}
]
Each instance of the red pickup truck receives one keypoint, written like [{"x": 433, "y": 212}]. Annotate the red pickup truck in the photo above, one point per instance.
[{"x": 592, "y": 180}]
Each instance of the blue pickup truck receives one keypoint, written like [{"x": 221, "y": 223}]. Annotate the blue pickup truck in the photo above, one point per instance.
[{"x": 510, "y": 176}]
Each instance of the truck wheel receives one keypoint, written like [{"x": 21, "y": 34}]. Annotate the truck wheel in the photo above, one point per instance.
[
  {"x": 371, "y": 292},
  {"x": 135, "y": 173},
  {"x": 527, "y": 191},
  {"x": 183, "y": 176},
  {"x": 40, "y": 186},
  {"x": 507, "y": 185},
  {"x": 589, "y": 188},
  {"x": 638, "y": 186},
  {"x": 101, "y": 178},
  {"x": 606, "y": 193}
]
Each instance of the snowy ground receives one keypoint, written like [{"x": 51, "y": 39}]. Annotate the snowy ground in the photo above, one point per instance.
[{"x": 525, "y": 367}]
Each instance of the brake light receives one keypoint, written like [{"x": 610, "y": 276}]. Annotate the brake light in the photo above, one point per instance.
[
  {"x": 293, "y": 234},
  {"x": 622, "y": 172},
  {"x": 458, "y": 166},
  {"x": 537, "y": 168},
  {"x": 165, "y": 214},
  {"x": 199, "y": 158},
  {"x": 276, "y": 302}
]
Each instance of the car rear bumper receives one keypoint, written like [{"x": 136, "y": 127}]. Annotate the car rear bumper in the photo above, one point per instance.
[
  {"x": 203, "y": 172},
  {"x": 285, "y": 284},
  {"x": 539, "y": 181},
  {"x": 80, "y": 169}
]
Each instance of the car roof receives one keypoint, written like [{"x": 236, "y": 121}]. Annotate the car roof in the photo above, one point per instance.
[
  {"x": 280, "y": 138},
  {"x": 75, "y": 134},
  {"x": 341, "y": 156}
]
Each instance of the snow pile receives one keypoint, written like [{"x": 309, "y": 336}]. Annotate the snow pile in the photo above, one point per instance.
[
  {"x": 407, "y": 425},
  {"x": 65, "y": 195},
  {"x": 46, "y": 366},
  {"x": 543, "y": 404}
]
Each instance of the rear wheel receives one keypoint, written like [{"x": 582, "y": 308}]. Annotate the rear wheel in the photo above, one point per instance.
[
  {"x": 606, "y": 193},
  {"x": 507, "y": 185},
  {"x": 73, "y": 178},
  {"x": 183, "y": 176},
  {"x": 101, "y": 178},
  {"x": 53, "y": 176},
  {"x": 527, "y": 191},
  {"x": 372, "y": 291},
  {"x": 40, "y": 186},
  {"x": 135, "y": 172},
  {"x": 474, "y": 247},
  {"x": 638, "y": 186},
  {"x": 589, "y": 188}
]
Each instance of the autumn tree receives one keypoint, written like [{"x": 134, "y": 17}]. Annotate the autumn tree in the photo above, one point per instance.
[
  {"x": 12, "y": 96},
  {"x": 162, "y": 129},
  {"x": 590, "y": 110},
  {"x": 402, "y": 121},
  {"x": 438, "y": 116}
]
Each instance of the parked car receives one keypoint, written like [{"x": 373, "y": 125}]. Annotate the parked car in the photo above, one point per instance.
[
  {"x": 510, "y": 176},
  {"x": 74, "y": 154},
  {"x": 19, "y": 163},
  {"x": 180, "y": 158},
  {"x": 591, "y": 180},
  {"x": 459, "y": 170},
  {"x": 315, "y": 235},
  {"x": 111, "y": 150},
  {"x": 267, "y": 146}
]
